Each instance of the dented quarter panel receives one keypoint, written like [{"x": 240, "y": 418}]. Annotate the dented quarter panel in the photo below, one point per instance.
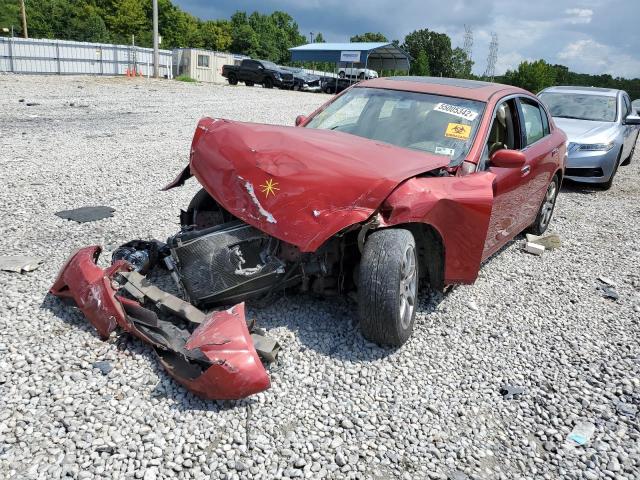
[
  {"x": 459, "y": 208},
  {"x": 321, "y": 181}
]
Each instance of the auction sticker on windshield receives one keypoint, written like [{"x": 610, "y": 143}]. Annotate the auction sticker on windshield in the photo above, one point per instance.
[
  {"x": 461, "y": 112},
  {"x": 458, "y": 131}
]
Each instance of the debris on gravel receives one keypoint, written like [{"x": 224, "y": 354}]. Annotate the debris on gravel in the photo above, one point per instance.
[
  {"x": 86, "y": 214},
  {"x": 422, "y": 411},
  {"x": 19, "y": 263}
]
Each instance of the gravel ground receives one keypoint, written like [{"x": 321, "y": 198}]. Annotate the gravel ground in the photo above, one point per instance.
[{"x": 339, "y": 406}]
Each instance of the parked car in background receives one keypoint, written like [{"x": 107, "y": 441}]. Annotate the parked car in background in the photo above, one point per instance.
[
  {"x": 636, "y": 106},
  {"x": 336, "y": 85},
  {"x": 600, "y": 124},
  {"x": 260, "y": 72},
  {"x": 304, "y": 81},
  {"x": 360, "y": 73},
  {"x": 396, "y": 180}
]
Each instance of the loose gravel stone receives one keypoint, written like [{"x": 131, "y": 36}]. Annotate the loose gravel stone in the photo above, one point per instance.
[{"x": 343, "y": 406}]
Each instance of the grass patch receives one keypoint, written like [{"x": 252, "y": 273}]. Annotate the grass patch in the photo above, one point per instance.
[{"x": 185, "y": 78}]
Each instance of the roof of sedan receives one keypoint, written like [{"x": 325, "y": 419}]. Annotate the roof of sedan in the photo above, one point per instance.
[
  {"x": 451, "y": 87},
  {"x": 606, "y": 92}
]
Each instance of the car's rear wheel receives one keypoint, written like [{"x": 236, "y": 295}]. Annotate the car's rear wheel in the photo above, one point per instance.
[
  {"x": 233, "y": 80},
  {"x": 361, "y": 76},
  {"x": 546, "y": 209},
  {"x": 388, "y": 286}
]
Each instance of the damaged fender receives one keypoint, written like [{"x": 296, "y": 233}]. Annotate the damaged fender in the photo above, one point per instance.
[
  {"x": 217, "y": 361},
  {"x": 459, "y": 208}
]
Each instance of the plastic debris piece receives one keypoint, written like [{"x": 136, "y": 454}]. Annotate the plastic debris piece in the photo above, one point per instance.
[
  {"x": 511, "y": 391},
  {"x": 104, "y": 366},
  {"x": 86, "y": 214},
  {"x": 606, "y": 289},
  {"x": 19, "y": 263},
  {"x": 626, "y": 409},
  {"x": 580, "y": 435},
  {"x": 457, "y": 475},
  {"x": 607, "y": 281},
  {"x": 534, "y": 248},
  {"x": 549, "y": 242}
]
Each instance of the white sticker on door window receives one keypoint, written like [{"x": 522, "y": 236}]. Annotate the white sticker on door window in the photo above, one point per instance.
[{"x": 462, "y": 112}]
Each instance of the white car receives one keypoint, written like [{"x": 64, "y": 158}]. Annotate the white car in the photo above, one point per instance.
[{"x": 360, "y": 73}]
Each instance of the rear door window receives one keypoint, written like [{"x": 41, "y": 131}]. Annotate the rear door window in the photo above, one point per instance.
[{"x": 532, "y": 119}]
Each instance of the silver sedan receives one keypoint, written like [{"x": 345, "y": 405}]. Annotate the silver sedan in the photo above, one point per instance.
[{"x": 601, "y": 127}]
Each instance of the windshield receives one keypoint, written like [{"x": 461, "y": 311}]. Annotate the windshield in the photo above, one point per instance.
[
  {"x": 597, "y": 108},
  {"x": 269, "y": 65},
  {"x": 419, "y": 121}
]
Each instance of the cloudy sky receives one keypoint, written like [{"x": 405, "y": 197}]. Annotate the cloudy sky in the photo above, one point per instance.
[{"x": 590, "y": 36}]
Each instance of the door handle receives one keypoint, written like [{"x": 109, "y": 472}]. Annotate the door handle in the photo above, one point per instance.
[{"x": 525, "y": 170}]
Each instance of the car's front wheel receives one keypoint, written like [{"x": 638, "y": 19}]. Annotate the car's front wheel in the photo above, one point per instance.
[
  {"x": 545, "y": 212},
  {"x": 388, "y": 286},
  {"x": 268, "y": 83},
  {"x": 233, "y": 80}
]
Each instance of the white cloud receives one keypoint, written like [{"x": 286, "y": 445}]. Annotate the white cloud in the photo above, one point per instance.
[
  {"x": 579, "y": 15},
  {"x": 591, "y": 56}
]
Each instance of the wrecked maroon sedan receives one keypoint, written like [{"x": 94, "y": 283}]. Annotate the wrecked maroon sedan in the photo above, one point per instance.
[{"x": 393, "y": 181}]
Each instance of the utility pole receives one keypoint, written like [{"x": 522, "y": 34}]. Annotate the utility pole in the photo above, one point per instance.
[
  {"x": 23, "y": 12},
  {"x": 311, "y": 37},
  {"x": 492, "y": 58},
  {"x": 156, "y": 52}
]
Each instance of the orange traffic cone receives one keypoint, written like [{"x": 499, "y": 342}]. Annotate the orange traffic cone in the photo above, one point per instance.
[{"x": 127, "y": 73}]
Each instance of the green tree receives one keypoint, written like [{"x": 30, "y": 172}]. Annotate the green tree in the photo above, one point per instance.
[
  {"x": 319, "y": 38},
  {"x": 369, "y": 37},
  {"x": 421, "y": 65},
  {"x": 10, "y": 16},
  {"x": 532, "y": 76},
  {"x": 461, "y": 64},
  {"x": 437, "y": 47}
]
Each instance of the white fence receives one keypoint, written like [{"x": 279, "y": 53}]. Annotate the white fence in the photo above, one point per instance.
[{"x": 64, "y": 57}]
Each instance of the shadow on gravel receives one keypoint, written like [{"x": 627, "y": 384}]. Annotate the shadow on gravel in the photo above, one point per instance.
[{"x": 569, "y": 186}]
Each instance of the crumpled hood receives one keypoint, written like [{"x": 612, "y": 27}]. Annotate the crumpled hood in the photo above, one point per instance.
[
  {"x": 585, "y": 131},
  {"x": 300, "y": 185}
]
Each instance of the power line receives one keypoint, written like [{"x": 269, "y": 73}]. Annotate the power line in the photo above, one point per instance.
[
  {"x": 468, "y": 41},
  {"x": 492, "y": 58}
]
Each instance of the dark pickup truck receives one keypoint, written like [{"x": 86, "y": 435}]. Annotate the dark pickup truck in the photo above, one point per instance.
[{"x": 265, "y": 73}]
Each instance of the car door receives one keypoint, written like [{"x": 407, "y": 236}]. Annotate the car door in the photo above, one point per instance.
[
  {"x": 505, "y": 132},
  {"x": 629, "y": 131},
  {"x": 542, "y": 156}
]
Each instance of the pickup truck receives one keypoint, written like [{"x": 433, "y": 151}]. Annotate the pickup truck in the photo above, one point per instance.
[{"x": 261, "y": 72}]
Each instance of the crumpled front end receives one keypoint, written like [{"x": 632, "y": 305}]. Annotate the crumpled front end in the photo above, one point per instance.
[{"x": 217, "y": 360}]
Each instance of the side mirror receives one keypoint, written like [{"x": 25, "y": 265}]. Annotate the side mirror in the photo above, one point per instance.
[
  {"x": 632, "y": 120},
  {"x": 300, "y": 120},
  {"x": 508, "y": 159}
]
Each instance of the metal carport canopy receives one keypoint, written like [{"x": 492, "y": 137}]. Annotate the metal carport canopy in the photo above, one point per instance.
[{"x": 376, "y": 55}]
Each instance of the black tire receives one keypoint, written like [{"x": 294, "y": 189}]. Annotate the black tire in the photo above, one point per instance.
[
  {"x": 545, "y": 213},
  {"x": 249, "y": 84},
  {"x": 233, "y": 80},
  {"x": 341, "y": 75},
  {"x": 386, "y": 285},
  {"x": 268, "y": 83},
  {"x": 361, "y": 76},
  {"x": 609, "y": 183},
  {"x": 296, "y": 87}
]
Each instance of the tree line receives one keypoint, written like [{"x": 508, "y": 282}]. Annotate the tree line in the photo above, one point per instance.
[{"x": 265, "y": 36}]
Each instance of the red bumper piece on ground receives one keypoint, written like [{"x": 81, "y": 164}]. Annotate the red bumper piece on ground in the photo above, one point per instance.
[
  {"x": 236, "y": 368},
  {"x": 224, "y": 364}
]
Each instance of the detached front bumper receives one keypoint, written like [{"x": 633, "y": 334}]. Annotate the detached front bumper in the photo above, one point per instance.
[
  {"x": 217, "y": 360},
  {"x": 591, "y": 167}
]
